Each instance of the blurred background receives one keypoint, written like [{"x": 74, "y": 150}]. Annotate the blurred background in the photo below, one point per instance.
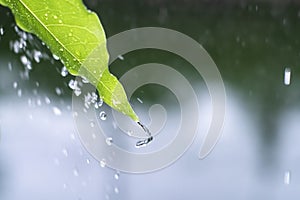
[{"x": 255, "y": 46}]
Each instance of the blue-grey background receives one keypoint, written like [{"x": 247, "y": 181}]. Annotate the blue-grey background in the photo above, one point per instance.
[{"x": 41, "y": 156}]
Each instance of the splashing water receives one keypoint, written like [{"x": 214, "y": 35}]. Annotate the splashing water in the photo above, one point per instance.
[{"x": 146, "y": 141}]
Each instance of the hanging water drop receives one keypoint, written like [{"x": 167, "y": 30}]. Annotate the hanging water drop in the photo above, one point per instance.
[{"x": 55, "y": 57}]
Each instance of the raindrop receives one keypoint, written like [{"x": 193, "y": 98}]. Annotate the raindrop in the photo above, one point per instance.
[
  {"x": 92, "y": 124},
  {"x": 15, "y": 85},
  {"x": 73, "y": 84},
  {"x": 75, "y": 114},
  {"x": 9, "y": 66},
  {"x": 115, "y": 126},
  {"x": 287, "y": 76},
  {"x": 77, "y": 92},
  {"x": 146, "y": 141},
  {"x": 65, "y": 152},
  {"x": 103, "y": 163},
  {"x": 1, "y": 31},
  {"x": 99, "y": 103},
  {"x": 37, "y": 55},
  {"x": 143, "y": 142},
  {"x": 19, "y": 92},
  {"x": 56, "y": 111},
  {"x": 47, "y": 100},
  {"x": 109, "y": 141},
  {"x": 116, "y": 190},
  {"x": 287, "y": 177},
  {"x": 72, "y": 136},
  {"x": 58, "y": 91},
  {"x": 117, "y": 176},
  {"x": 38, "y": 102},
  {"x": 120, "y": 57},
  {"x": 130, "y": 132},
  {"x": 102, "y": 115},
  {"x": 88, "y": 161},
  {"x": 75, "y": 172},
  {"x": 25, "y": 61},
  {"x": 139, "y": 100}
]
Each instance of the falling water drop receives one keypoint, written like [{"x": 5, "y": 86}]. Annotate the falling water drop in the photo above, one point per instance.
[
  {"x": 117, "y": 176},
  {"x": 287, "y": 177},
  {"x": 65, "y": 152},
  {"x": 146, "y": 141},
  {"x": 102, "y": 115},
  {"x": 1, "y": 31},
  {"x": 103, "y": 163},
  {"x": 58, "y": 91},
  {"x": 120, "y": 57},
  {"x": 56, "y": 111},
  {"x": 287, "y": 76},
  {"x": 116, "y": 190},
  {"x": 139, "y": 100},
  {"x": 37, "y": 55},
  {"x": 47, "y": 100},
  {"x": 75, "y": 172},
  {"x": 64, "y": 71},
  {"x": 15, "y": 85},
  {"x": 109, "y": 141},
  {"x": 88, "y": 161},
  {"x": 19, "y": 92},
  {"x": 92, "y": 124}
]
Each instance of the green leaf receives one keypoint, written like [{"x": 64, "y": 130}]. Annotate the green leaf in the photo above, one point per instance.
[{"x": 76, "y": 36}]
